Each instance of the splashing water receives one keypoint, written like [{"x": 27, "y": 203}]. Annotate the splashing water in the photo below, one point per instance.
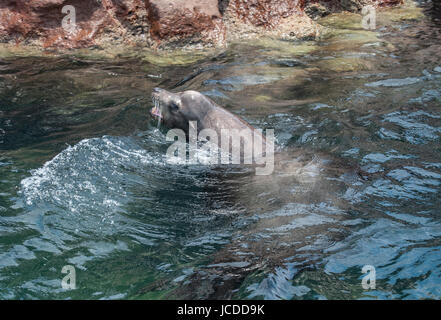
[{"x": 157, "y": 110}]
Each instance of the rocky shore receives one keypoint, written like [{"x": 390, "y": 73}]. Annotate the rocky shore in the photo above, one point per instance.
[{"x": 164, "y": 23}]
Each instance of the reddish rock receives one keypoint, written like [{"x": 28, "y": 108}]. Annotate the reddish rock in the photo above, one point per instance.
[
  {"x": 183, "y": 18},
  {"x": 39, "y": 21},
  {"x": 269, "y": 13},
  {"x": 266, "y": 13},
  {"x": 145, "y": 22}
]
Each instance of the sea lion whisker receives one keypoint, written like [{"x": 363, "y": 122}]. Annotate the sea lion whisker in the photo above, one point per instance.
[
  {"x": 157, "y": 109},
  {"x": 160, "y": 113}
]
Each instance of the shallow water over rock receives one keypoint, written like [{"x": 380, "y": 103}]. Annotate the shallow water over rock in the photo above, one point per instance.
[{"x": 357, "y": 119}]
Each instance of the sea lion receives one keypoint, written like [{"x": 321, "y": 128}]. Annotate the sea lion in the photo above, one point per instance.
[
  {"x": 192, "y": 111},
  {"x": 176, "y": 110}
]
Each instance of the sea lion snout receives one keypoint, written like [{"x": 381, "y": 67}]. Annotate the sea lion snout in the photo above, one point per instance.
[
  {"x": 156, "y": 110},
  {"x": 158, "y": 95},
  {"x": 167, "y": 108}
]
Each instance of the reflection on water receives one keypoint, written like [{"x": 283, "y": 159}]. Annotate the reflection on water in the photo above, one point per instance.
[{"x": 357, "y": 119}]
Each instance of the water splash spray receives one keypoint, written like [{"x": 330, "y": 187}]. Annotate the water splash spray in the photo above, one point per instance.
[{"x": 157, "y": 110}]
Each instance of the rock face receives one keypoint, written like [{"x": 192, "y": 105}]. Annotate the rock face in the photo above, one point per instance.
[
  {"x": 183, "y": 19},
  {"x": 162, "y": 22},
  {"x": 323, "y": 7},
  {"x": 40, "y": 21},
  {"x": 265, "y": 13}
]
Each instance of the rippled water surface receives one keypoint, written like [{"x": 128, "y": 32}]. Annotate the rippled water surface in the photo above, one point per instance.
[{"x": 357, "y": 117}]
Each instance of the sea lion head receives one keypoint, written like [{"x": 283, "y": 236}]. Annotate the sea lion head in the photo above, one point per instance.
[{"x": 175, "y": 110}]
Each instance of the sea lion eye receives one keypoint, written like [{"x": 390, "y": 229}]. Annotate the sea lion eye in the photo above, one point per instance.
[{"x": 174, "y": 106}]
